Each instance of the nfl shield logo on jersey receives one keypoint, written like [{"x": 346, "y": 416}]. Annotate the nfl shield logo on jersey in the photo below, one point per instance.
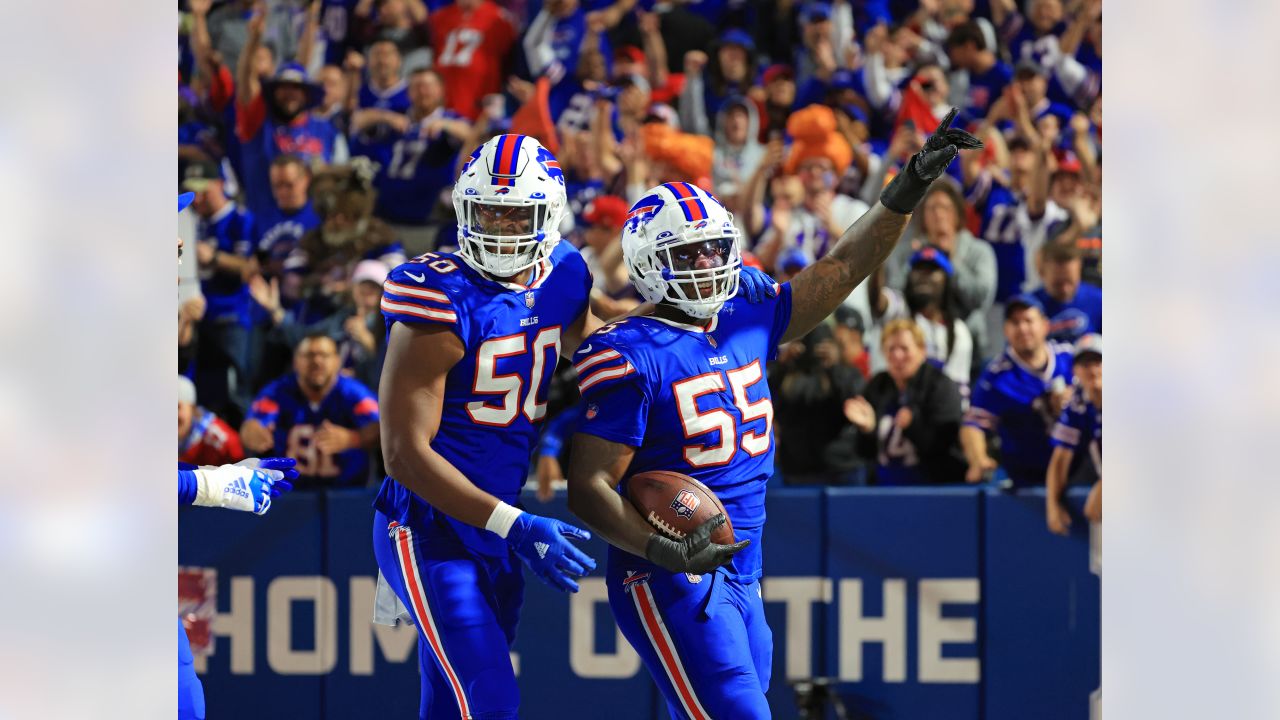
[
  {"x": 592, "y": 411},
  {"x": 685, "y": 503},
  {"x": 528, "y": 299}
]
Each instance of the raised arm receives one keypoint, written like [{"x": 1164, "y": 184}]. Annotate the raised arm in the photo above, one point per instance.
[
  {"x": 247, "y": 85},
  {"x": 201, "y": 41},
  {"x": 822, "y": 286},
  {"x": 308, "y": 40},
  {"x": 655, "y": 48}
]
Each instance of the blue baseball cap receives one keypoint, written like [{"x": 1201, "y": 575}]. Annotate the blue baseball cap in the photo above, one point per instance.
[
  {"x": 184, "y": 200},
  {"x": 854, "y": 112},
  {"x": 793, "y": 260},
  {"x": 737, "y": 36},
  {"x": 844, "y": 80},
  {"x": 816, "y": 12},
  {"x": 931, "y": 254},
  {"x": 1021, "y": 302}
]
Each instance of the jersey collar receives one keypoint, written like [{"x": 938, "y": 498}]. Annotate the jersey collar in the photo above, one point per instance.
[
  {"x": 541, "y": 272},
  {"x": 715, "y": 322},
  {"x": 1049, "y": 367}
]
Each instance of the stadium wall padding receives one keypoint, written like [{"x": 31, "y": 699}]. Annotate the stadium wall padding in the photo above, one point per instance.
[{"x": 919, "y": 602}]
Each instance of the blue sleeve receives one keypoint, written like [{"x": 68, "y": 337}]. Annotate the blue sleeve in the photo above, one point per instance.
[
  {"x": 1073, "y": 425},
  {"x": 617, "y": 411},
  {"x": 187, "y": 486},
  {"x": 266, "y": 408},
  {"x": 984, "y": 404},
  {"x": 417, "y": 293},
  {"x": 559, "y": 428},
  {"x": 364, "y": 406}
]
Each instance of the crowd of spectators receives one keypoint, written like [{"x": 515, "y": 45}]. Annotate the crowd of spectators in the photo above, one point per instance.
[{"x": 323, "y": 137}]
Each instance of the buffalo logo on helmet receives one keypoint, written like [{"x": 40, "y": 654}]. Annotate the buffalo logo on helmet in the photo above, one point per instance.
[
  {"x": 685, "y": 504},
  {"x": 642, "y": 212},
  {"x": 701, "y": 225},
  {"x": 471, "y": 160},
  {"x": 502, "y": 191},
  {"x": 550, "y": 165}
]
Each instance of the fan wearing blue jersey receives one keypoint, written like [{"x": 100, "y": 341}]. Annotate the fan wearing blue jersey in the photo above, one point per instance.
[
  {"x": 1019, "y": 395},
  {"x": 685, "y": 391},
  {"x": 1079, "y": 426}
]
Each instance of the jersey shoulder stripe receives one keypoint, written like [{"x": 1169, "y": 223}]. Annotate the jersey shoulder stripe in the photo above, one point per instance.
[{"x": 424, "y": 289}]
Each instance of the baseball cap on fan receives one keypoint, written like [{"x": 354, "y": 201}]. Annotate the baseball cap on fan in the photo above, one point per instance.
[
  {"x": 1090, "y": 344},
  {"x": 1021, "y": 302},
  {"x": 607, "y": 210},
  {"x": 931, "y": 254},
  {"x": 199, "y": 174}
]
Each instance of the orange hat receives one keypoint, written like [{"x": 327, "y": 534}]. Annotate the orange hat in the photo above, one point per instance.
[{"x": 814, "y": 132}]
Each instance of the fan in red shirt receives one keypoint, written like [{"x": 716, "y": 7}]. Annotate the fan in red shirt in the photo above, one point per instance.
[
  {"x": 203, "y": 438},
  {"x": 473, "y": 40}
]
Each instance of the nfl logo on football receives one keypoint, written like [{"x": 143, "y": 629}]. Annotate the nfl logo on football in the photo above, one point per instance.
[{"x": 685, "y": 503}]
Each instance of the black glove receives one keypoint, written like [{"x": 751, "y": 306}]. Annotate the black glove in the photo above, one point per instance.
[
  {"x": 909, "y": 186},
  {"x": 695, "y": 553}
]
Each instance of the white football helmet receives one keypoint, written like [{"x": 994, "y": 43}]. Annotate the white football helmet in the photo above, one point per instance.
[
  {"x": 510, "y": 200},
  {"x": 681, "y": 247}
]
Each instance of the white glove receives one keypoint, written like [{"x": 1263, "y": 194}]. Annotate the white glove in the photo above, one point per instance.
[{"x": 242, "y": 486}]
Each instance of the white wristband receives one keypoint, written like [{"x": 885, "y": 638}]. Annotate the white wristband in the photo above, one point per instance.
[
  {"x": 503, "y": 517},
  {"x": 206, "y": 494}
]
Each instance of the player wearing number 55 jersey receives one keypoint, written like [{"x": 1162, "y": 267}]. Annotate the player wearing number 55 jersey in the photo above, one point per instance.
[{"x": 685, "y": 391}]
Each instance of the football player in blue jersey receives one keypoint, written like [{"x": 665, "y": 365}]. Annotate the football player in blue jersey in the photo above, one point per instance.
[
  {"x": 248, "y": 485},
  {"x": 685, "y": 390},
  {"x": 473, "y": 339}
]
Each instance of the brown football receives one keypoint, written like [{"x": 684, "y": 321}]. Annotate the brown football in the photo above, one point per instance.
[{"x": 674, "y": 504}]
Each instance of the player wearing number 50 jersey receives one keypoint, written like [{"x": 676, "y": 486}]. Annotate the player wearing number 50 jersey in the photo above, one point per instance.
[
  {"x": 685, "y": 391},
  {"x": 473, "y": 339}
]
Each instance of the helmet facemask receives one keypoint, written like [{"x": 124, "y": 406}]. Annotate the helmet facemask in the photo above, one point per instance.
[
  {"x": 504, "y": 236},
  {"x": 696, "y": 273}
]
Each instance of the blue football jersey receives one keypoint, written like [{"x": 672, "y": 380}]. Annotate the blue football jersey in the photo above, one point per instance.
[
  {"x": 278, "y": 233},
  {"x": 394, "y": 98},
  {"x": 414, "y": 168},
  {"x": 694, "y": 401},
  {"x": 496, "y": 396},
  {"x": 1070, "y": 321},
  {"x": 1080, "y": 424},
  {"x": 349, "y": 404},
  {"x": 227, "y": 295},
  {"x": 1010, "y": 398}
]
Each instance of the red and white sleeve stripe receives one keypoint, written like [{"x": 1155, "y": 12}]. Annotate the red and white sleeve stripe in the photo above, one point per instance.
[{"x": 404, "y": 302}]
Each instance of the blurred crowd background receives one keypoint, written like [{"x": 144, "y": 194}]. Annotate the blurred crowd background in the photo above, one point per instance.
[{"x": 322, "y": 140}]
